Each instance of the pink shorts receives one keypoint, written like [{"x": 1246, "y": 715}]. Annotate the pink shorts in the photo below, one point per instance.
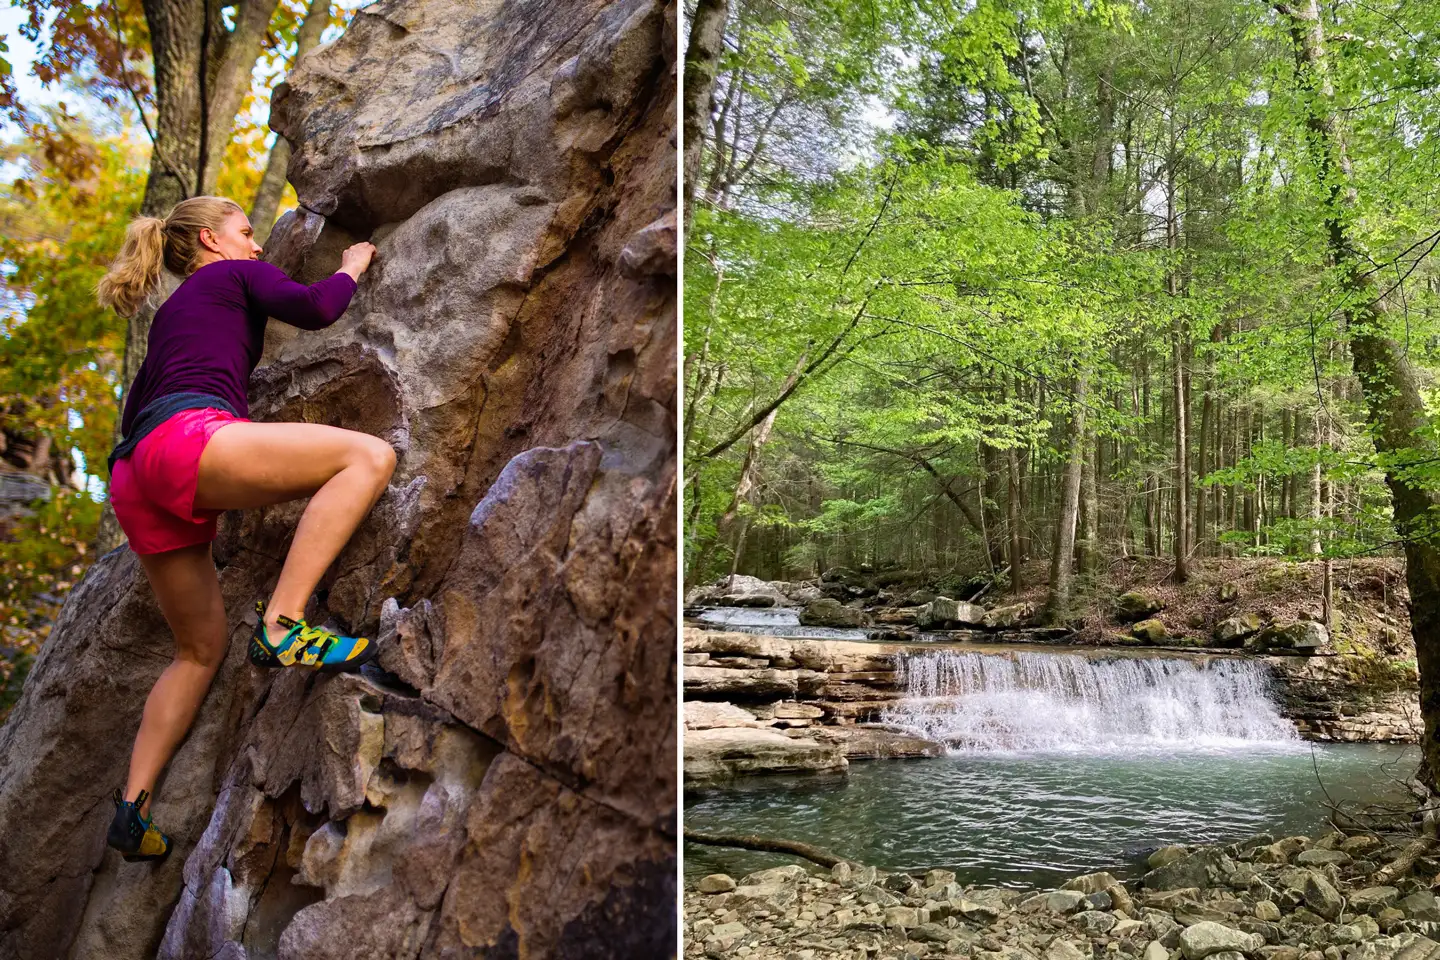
[{"x": 153, "y": 489}]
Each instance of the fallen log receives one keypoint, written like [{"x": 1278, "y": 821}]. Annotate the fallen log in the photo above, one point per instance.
[
  {"x": 765, "y": 845},
  {"x": 1417, "y": 848}
]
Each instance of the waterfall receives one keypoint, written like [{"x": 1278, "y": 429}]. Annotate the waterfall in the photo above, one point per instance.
[
  {"x": 774, "y": 622},
  {"x": 1050, "y": 701}
]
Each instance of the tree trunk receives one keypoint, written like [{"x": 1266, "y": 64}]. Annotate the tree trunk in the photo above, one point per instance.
[
  {"x": 272, "y": 184},
  {"x": 1087, "y": 544},
  {"x": 1061, "y": 559},
  {"x": 1393, "y": 400},
  {"x": 241, "y": 45},
  {"x": 1015, "y": 510},
  {"x": 702, "y": 63}
]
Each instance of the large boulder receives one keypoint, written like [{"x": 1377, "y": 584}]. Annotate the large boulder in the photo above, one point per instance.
[
  {"x": 507, "y": 786},
  {"x": 1303, "y": 638},
  {"x": 1149, "y": 631},
  {"x": 1009, "y": 616},
  {"x": 1232, "y": 631},
  {"x": 944, "y": 612},
  {"x": 826, "y": 612},
  {"x": 1136, "y": 605}
]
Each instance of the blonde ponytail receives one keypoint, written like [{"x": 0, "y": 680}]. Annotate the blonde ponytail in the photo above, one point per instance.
[
  {"x": 135, "y": 271},
  {"x": 151, "y": 243}
]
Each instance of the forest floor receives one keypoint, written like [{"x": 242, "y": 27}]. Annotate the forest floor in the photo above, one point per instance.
[{"x": 1370, "y": 615}]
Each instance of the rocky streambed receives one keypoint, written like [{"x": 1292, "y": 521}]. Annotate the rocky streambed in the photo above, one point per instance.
[{"x": 1294, "y": 898}]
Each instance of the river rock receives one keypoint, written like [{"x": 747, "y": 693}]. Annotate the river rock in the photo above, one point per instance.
[
  {"x": 1374, "y": 899},
  {"x": 1149, "y": 631},
  {"x": 1055, "y": 901},
  {"x": 1321, "y": 896},
  {"x": 717, "y": 883},
  {"x": 1136, "y": 605},
  {"x": 1421, "y": 905},
  {"x": 1166, "y": 855},
  {"x": 1009, "y": 616},
  {"x": 722, "y": 754},
  {"x": 1203, "y": 868},
  {"x": 1405, "y": 946},
  {"x": 1065, "y": 950},
  {"x": 1094, "y": 922},
  {"x": 1207, "y": 938},
  {"x": 944, "y": 612},
  {"x": 918, "y": 598},
  {"x": 1319, "y": 857},
  {"x": 801, "y": 594},
  {"x": 1090, "y": 883},
  {"x": 826, "y": 612},
  {"x": 1232, "y": 631},
  {"x": 513, "y": 788}
]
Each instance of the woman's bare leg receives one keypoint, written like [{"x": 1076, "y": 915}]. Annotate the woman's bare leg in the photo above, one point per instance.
[
  {"x": 185, "y": 583},
  {"x": 248, "y": 465}
]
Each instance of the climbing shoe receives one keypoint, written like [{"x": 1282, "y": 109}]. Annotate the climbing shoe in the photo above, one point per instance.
[
  {"x": 307, "y": 646},
  {"x": 136, "y": 837}
]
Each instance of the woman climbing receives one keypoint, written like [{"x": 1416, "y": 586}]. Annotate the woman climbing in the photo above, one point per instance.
[{"x": 188, "y": 454}]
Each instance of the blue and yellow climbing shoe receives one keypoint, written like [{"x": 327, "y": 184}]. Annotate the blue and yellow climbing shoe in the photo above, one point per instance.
[
  {"x": 307, "y": 646},
  {"x": 136, "y": 837}
]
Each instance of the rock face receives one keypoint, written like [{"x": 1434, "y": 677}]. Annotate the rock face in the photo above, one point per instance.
[{"x": 510, "y": 789}]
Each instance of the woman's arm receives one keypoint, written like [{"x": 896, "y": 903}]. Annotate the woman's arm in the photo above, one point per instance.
[{"x": 309, "y": 308}]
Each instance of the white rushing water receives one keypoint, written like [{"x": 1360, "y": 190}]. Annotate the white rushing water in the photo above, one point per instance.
[
  {"x": 752, "y": 616},
  {"x": 775, "y": 622},
  {"x": 1026, "y": 702}
]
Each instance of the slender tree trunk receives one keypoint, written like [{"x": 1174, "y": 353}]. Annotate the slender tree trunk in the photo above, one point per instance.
[
  {"x": 1061, "y": 559},
  {"x": 241, "y": 48},
  {"x": 1015, "y": 511},
  {"x": 272, "y": 184},
  {"x": 1087, "y": 544},
  {"x": 702, "y": 63}
]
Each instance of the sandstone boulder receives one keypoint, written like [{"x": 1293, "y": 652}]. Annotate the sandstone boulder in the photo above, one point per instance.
[{"x": 722, "y": 754}]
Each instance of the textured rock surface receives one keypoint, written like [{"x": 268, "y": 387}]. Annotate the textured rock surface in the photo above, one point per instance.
[
  {"x": 719, "y": 754},
  {"x": 510, "y": 789}
]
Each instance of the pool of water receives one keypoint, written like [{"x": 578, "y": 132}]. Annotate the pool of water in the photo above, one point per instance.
[{"x": 1036, "y": 818}]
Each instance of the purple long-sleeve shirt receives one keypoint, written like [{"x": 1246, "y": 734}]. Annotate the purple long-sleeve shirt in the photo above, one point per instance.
[{"x": 208, "y": 336}]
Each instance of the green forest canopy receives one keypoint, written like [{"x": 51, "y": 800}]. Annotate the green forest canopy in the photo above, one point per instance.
[{"x": 1091, "y": 248}]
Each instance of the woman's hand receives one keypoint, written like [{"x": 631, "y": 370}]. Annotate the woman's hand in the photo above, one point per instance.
[{"x": 356, "y": 259}]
